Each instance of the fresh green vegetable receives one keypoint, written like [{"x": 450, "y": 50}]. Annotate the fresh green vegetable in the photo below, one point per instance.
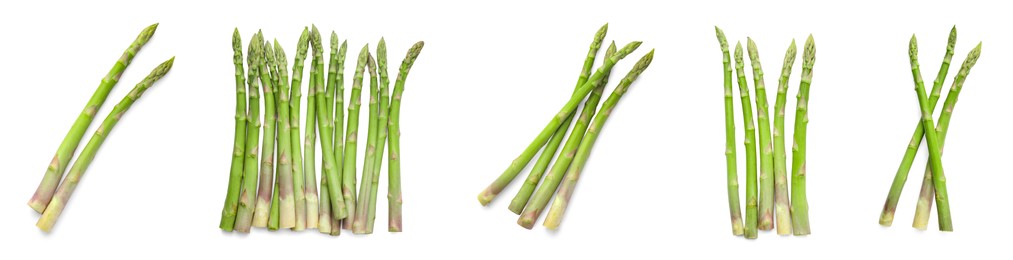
[{"x": 394, "y": 163}]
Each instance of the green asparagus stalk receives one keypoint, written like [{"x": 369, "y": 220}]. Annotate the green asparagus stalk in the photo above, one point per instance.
[
  {"x": 890, "y": 207},
  {"x": 303, "y": 218},
  {"x": 326, "y": 127},
  {"x": 262, "y": 209},
  {"x": 362, "y": 205},
  {"x": 394, "y": 154},
  {"x": 329, "y": 86},
  {"x": 248, "y": 193},
  {"x": 381, "y": 131},
  {"x": 733, "y": 179},
  {"x": 747, "y": 117},
  {"x": 351, "y": 139},
  {"x": 285, "y": 181},
  {"x": 932, "y": 138},
  {"x": 555, "y": 176},
  {"x": 562, "y": 199},
  {"x": 228, "y": 219},
  {"x": 522, "y": 160},
  {"x": 799, "y": 203},
  {"x": 274, "y": 222},
  {"x": 339, "y": 124},
  {"x": 528, "y": 187},
  {"x": 782, "y": 207},
  {"x": 317, "y": 208},
  {"x": 924, "y": 208},
  {"x": 766, "y": 207},
  {"x": 50, "y": 181},
  {"x": 63, "y": 193}
]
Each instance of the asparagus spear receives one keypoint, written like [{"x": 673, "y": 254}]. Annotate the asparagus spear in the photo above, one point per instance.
[
  {"x": 262, "y": 209},
  {"x": 303, "y": 218},
  {"x": 339, "y": 131},
  {"x": 362, "y": 205},
  {"x": 890, "y": 207},
  {"x": 326, "y": 127},
  {"x": 394, "y": 154},
  {"x": 59, "y": 201},
  {"x": 351, "y": 138},
  {"x": 931, "y": 137},
  {"x": 562, "y": 200},
  {"x": 548, "y": 187},
  {"x": 766, "y": 209},
  {"x": 521, "y": 199},
  {"x": 799, "y": 203},
  {"x": 329, "y": 86},
  {"x": 317, "y": 208},
  {"x": 747, "y": 117},
  {"x": 733, "y": 183},
  {"x": 228, "y": 219},
  {"x": 248, "y": 193},
  {"x": 285, "y": 181},
  {"x": 274, "y": 221},
  {"x": 50, "y": 181},
  {"x": 381, "y": 131},
  {"x": 522, "y": 160},
  {"x": 924, "y": 208},
  {"x": 782, "y": 207}
]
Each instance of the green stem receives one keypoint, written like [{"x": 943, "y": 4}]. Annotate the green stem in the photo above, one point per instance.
[
  {"x": 544, "y": 194},
  {"x": 285, "y": 182},
  {"x": 394, "y": 154},
  {"x": 562, "y": 199},
  {"x": 733, "y": 183},
  {"x": 62, "y": 196},
  {"x": 351, "y": 139},
  {"x": 303, "y": 218},
  {"x": 766, "y": 207},
  {"x": 747, "y": 117},
  {"x": 362, "y": 205},
  {"x": 339, "y": 131},
  {"x": 782, "y": 208},
  {"x": 528, "y": 187},
  {"x": 248, "y": 193},
  {"x": 381, "y": 131},
  {"x": 326, "y": 129},
  {"x": 799, "y": 203},
  {"x": 228, "y": 219},
  {"x": 262, "y": 208},
  {"x": 522, "y": 160},
  {"x": 890, "y": 207},
  {"x": 50, "y": 181}
]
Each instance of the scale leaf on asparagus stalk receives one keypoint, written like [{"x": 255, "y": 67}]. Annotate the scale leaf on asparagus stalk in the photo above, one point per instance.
[
  {"x": 228, "y": 219},
  {"x": 730, "y": 160},
  {"x": 555, "y": 176},
  {"x": 248, "y": 191},
  {"x": 890, "y": 207},
  {"x": 51, "y": 180},
  {"x": 750, "y": 144},
  {"x": 923, "y": 211},
  {"x": 534, "y": 177},
  {"x": 562, "y": 200},
  {"x": 766, "y": 199},
  {"x": 782, "y": 206},
  {"x": 66, "y": 189},
  {"x": 522, "y": 160},
  {"x": 394, "y": 163},
  {"x": 799, "y": 202}
]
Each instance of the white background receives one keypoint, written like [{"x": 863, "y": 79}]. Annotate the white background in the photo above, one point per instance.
[{"x": 489, "y": 78}]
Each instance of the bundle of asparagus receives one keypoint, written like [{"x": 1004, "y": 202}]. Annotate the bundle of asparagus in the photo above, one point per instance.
[
  {"x": 578, "y": 145},
  {"x": 773, "y": 193},
  {"x": 52, "y": 195},
  {"x": 933, "y": 182},
  {"x": 286, "y": 196}
]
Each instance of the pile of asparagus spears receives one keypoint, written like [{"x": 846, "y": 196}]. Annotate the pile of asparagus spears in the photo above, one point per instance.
[
  {"x": 933, "y": 182},
  {"x": 578, "y": 145},
  {"x": 52, "y": 195},
  {"x": 773, "y": 192},
  {"x": 286, "y": 196}
]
